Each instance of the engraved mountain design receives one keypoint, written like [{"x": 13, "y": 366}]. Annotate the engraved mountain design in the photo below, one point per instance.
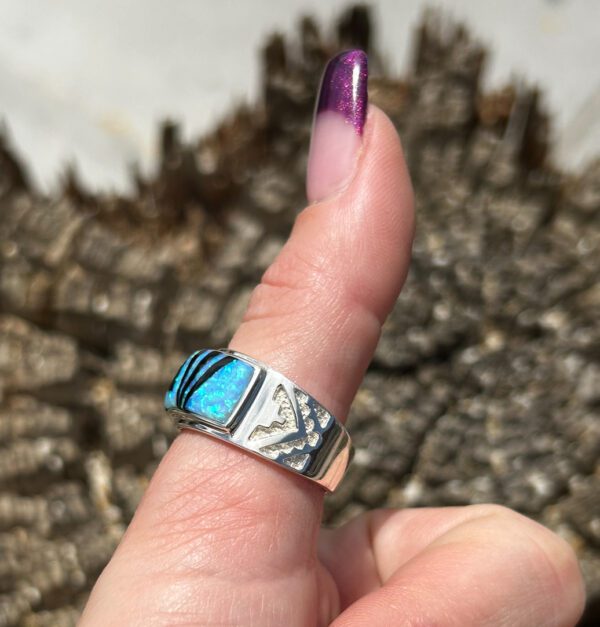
[
  {"x": 289, "y": 421},
  {"x": 298, "y": 435}
]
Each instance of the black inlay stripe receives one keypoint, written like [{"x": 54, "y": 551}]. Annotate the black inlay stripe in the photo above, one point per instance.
[
  {"x": 185, "y": 373},
  {"x": 207, "y": 375},
  {"x": 186, "y": 365},
  {"x": 190, "y": 372}
]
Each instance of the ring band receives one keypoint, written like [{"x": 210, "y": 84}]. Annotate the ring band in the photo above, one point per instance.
[{"x": 242, "y": 401}]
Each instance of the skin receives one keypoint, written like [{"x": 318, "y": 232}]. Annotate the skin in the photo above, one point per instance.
[{"x": 223, "y": 538}]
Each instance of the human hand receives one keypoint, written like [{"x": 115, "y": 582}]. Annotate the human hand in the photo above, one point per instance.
[{"x": 224, "y": 538}]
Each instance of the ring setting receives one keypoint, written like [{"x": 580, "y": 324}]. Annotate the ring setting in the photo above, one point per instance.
[{"x": 242, "y": 401}]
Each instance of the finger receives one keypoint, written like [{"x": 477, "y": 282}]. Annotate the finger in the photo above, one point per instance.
[
  {"x": 479, "y": 565},
  {"x": 214, "y": 514}
]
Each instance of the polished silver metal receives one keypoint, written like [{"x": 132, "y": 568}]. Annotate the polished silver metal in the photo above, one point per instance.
[{"x": 278, "y": 421}]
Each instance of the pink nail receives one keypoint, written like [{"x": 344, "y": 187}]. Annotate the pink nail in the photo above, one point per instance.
[{"x": 338, "y": 125}]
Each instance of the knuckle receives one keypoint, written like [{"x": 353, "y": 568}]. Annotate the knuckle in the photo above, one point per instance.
[
  {"x": 270, "y": 300},
  {"x": 292, "y": 283},
  {"x": 308, "y": 275},
  {"x": 556, "y": 566},
  {"x": 550, "y": 559},
  {"x": 556, "y": 557},
  {"x": 298, "y": 266}
]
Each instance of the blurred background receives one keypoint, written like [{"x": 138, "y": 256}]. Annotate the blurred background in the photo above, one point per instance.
[
  {"x": 89, "y": 81},
  {"x": 151, "y": 165}
]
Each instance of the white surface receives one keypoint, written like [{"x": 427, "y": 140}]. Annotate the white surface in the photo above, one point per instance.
[{"x": 89, "y": 80}]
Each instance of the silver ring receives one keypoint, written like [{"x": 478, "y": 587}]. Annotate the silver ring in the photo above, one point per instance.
[{"x": 242, "y": 401}]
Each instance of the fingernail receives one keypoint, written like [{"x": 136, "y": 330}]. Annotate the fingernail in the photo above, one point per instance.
[{"x": 338, "y": 125}]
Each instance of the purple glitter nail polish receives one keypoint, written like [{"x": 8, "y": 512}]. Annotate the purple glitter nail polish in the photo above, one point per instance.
[{"x": 344, "y": 87}]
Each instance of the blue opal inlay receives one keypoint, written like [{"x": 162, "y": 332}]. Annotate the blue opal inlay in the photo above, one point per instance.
[
  {"x": 217, "y": 397},
  {"x": 199, "y": 367},
  {"x": 210, "y": 384}
]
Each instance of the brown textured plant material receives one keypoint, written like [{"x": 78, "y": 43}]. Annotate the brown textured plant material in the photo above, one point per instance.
[{"x": 486, "y": 382}]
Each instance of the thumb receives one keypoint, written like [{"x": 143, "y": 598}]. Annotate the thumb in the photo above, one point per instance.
[{"x": 224, "y": 537}]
